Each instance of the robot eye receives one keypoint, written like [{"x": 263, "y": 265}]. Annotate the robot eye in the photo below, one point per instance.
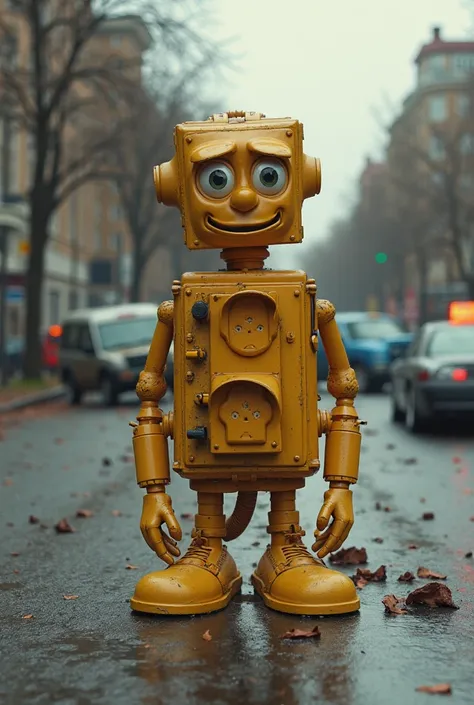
[
  {"x": 269, "y": 176},
  {"x": 238, "y": 329},
  {"x": 259, "y": 328},
  {"x": 235, "y": 414},
  {"x": 216, "y": 180}
]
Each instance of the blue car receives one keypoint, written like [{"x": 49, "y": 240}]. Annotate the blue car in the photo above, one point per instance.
[{"x": 372, "y": 341}]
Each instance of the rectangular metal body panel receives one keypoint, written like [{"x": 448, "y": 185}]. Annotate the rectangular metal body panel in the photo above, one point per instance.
[{"x": 255, "y": 369}]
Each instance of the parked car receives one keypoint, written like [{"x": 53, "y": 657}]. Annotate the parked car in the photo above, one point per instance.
[
  {"x": 106, "y": 348},
  {"x": 372, "y": 341},
  {"x": 436, "y": 376}
]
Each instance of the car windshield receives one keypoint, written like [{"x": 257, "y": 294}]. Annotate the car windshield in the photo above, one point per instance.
[
  {"x": 374, "y": 329},
  {"x": 127, "y": 332},
  {"x": 452, "y": 340}
]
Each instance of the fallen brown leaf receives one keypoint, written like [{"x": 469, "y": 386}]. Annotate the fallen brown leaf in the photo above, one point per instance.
[
  {"x": 302, "y": 634},
  {"x": 433, "y": 595},
  {"x": 406, "y": 577},
  {"x": 394, "y": 605},
  {"x": 207, "y": 636},
  {"x": 64, "y": 527},
  {"x": 412, "y": 546},
  {"x": 427, "y": 573},
  {"x": 70, "y": 597},
  {"x": 116, "y": 513},
  {"x": 349, "y": 556},
  {"x": 468, "y": 554},
  {"x": 427, "y": 516},
  {"x": 377, "y": 540},
  {"x": 359, "y": 582},
  {"x": 33, "y": 520},
  {"x": 84, "y": 513},
  {"x": 8, "y": 482},
  {"x": 379, "y": 576},
  {"x": 131, "y": 567},
  {"x": 27, "y": 616},
  {"x": 387, "y": 509},
  {"x": 441, "y": 689},
  {"x": 471, "y": 518},
  {"x": 14, "y": 554},
  {"x": 187, "y": 515}
]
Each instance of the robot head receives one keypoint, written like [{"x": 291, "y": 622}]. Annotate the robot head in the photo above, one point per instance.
[{"x": 239, "y": 180}]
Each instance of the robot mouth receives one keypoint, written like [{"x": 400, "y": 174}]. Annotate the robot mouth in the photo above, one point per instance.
[
  {"x": 249, "y": 347},
  {"x": 251, "y": 228}
]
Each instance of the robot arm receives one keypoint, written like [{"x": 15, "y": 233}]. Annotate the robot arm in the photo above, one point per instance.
[
  {"x": 343, "y": 438},
  {"x": 150, "y": 444}
]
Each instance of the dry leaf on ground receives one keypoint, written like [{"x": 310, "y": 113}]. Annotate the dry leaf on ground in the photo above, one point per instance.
[
  {"x": 64, "y": 527},
  {"x": 377, "y": 539},
  {"x": 412, "y": 546},
  {"x": 15, "y": 554},
  {"x": 427, "y": 573},
  {"x": 70, "y": 597},
  {"x": 27, "y": 616},
  {"x": 84, "y": 513},
  {"x": 187, "y": 515},
  {"x": 302, "y": 634},
  {"x": 207, "y": 636},
  {"x": 406, "y": 577},
  {"x": 440, "y": 689},
  {"x": 433, "y": 595},
  {"x": 131, "y": 567},
  {"x": 349, "y": 556},
  {"x": 426, "y": 516},
  {"x": 364, "y": 574},
  {"x": 116, "y": 513},
  {"x": 33, "y": 520},
  {"x": 394, "y": 605},
  {"x": 8, "y": 482}
]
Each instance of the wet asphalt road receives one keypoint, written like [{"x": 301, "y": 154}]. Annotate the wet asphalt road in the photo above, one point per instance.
[{"x": 95, "y": 650}]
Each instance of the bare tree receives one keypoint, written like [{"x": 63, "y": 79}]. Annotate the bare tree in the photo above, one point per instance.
[{"x": 59, "y": 92}]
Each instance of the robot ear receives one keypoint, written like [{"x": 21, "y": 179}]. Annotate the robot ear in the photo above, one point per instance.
[
  {"x": 166, "y": 183},
  {"x": 311, "y": 176}
]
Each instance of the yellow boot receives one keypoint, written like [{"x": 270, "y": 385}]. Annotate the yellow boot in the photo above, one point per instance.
[
  {"x": 289, "y": 578},
  {"x": 203, "y": 581}
]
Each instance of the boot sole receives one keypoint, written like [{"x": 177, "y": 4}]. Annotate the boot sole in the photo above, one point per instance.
[
  {"x": 295, "y": 608},
  {"x": 189, "y": 609}
]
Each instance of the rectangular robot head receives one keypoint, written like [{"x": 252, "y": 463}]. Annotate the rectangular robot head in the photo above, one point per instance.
[{"x": 239, "y": 180}]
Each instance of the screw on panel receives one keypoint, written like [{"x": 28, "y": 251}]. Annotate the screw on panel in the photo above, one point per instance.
[
  {"x": 274, "y": 444},
  {"x": 191, "y": 458},
  {"x": 290, "y": 337},
  {"x": 216, "y": 446},
  {"x": 296, "y": 293},
  {"x": 296, "y": 458},
  {"x": 289, "y": 133},
  {"x": 196, "y": 242},
  {"x": 292, "y": 237},
  {"x": 215, "y": 297},
  {"x": 189, "y": 376},
  {"x": 189, "y": 337},
  {"x": 189, "y": 140},
  {"x": 188, "y": 292}
]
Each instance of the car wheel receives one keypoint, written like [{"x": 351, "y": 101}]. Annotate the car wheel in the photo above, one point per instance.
[
  {"x": 73, "y": 392},
  {"x": 108, "y": 390},
  {"x": 413, "y": 421},
  {"x": 397, "y": 415},
  {"x": 363, "y": 378}
]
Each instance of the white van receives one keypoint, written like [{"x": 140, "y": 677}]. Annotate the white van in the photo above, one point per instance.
[{"x": 106, "y": 348}]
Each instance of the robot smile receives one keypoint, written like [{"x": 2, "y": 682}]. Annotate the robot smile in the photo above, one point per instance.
[{"x": 250, "y": 228}]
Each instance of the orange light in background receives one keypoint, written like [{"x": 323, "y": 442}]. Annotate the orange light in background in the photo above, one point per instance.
[
  {"x": 461, "y": 312},
  {"x": 55, "y": 331}
]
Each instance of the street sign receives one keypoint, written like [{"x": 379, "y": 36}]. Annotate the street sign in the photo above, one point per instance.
[{"x": 15, "y": 294}]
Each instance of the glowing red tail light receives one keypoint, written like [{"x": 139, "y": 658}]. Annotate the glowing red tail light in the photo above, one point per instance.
[
  {"x": 459, "y": 374},
  {"x": 423, "y": 376}
]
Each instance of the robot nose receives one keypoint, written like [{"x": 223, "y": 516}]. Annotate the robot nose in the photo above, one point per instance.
[{"x": 244, "y": 200}]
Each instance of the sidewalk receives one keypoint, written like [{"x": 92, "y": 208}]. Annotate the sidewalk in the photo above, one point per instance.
[{"x": 21, "y": 393}]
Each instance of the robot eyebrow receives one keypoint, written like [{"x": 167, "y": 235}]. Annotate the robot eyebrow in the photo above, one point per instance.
[
  {"x": 270, "y": 148},
  {"x": 211, "y": 150}
]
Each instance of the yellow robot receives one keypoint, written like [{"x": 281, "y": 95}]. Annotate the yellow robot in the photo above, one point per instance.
[{"x": 246, "y": 415}]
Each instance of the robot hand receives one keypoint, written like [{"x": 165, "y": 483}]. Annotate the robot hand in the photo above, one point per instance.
[
  {"x": 156, "y": 510},
  {"x": 337, "y": 504}
]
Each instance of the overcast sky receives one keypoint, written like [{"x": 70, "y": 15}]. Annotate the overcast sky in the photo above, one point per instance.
[{"x": 331, "y": 64}]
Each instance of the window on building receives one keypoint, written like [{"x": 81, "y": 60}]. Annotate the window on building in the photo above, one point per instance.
[
  {"x": 466, "y": 144},
  {"x": 115, "y": 211},
  {"x": 437, "y": 108},
  {"x": 463, "y": 105},
  {"x": 116, "y": 242},
  {"x": 54, "y": 303},
  {"x": 437, "y": 149}
]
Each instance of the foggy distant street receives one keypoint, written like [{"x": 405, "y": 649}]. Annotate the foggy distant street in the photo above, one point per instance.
[{"x": 93, "y": 649}]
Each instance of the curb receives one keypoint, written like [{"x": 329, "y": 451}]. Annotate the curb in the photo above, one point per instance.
[{"x": 33, "y": 399}]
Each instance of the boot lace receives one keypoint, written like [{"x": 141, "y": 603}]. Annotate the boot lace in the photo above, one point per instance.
[
  {"x": 295, "y": 547},
  {"x": 198, "y": 548}
]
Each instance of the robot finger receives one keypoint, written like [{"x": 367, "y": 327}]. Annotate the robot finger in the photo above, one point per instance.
[
  {"x": 336, "y": 531},
  {"x": 172, "y": 524},
  {"x": 170, "y": 544},
  {"x": 159, "y": 547},
  {"x": 324, "y": 515},
  {"x": 344, "y": 536}
]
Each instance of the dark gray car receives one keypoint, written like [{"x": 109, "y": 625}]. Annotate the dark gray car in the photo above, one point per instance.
[{"x": 435, "y": 377}]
